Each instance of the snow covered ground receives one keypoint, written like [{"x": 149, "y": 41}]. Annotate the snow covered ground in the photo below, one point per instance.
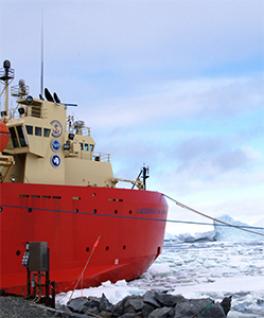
[{"x": 201, "y": 269}]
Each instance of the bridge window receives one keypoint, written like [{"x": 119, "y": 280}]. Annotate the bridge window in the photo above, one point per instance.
[
  {"x": 86, "y": 147},
  {"x": 17, "y": 136},
  {"x": 21, "y": 136},
  {"x": 38, "y": 131},
  {"x": 14, "y": 137},
  {"x": 46, "y": 132},
  {"x": 29, "y": 130}
]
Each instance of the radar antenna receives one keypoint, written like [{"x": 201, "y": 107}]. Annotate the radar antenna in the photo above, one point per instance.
[{"x": 7, "y": 74}]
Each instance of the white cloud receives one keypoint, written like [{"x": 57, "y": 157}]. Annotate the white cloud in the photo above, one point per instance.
[
  {"x": 181, "y": 35},
  {"x": 209, "y": 97},
  {"x": 138, "y": 66}
]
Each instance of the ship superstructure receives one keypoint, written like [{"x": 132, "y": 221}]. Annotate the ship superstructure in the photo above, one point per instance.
[{"x": 55, "y": 188}]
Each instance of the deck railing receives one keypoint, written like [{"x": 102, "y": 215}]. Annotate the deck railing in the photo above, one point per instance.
[{"x": 105, "y": 157}]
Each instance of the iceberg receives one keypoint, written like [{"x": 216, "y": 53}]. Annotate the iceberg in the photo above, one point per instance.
[
  {"x": 220, "y": 233},
  {"x": 232, "y": 234},
  {"x": 197, "y": 237}
]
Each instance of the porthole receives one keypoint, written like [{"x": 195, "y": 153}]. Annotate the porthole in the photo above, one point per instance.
[
  {"x": 115, "y": 211},
  {"x": 87, "y": 249},
  {"x": 18, "y": 253},
  {"x": 124, "y": 247},
  {"x": 94, "y": 211},
  {"x": 76, "y": 210},
  {"x": 107, "y": 248},
  {"x": 29, "y": 210},
  {"x": 130, "y": 211}
]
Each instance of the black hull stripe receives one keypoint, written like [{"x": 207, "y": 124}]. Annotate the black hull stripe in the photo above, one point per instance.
[{"x": 84, "y": 213}]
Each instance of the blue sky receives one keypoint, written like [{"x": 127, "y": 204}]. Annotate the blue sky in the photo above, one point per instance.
[{"x": 177, "y": 85}]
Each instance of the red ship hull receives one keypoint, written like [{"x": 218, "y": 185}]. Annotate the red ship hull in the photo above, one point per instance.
[{"x": 129, "y": 226}]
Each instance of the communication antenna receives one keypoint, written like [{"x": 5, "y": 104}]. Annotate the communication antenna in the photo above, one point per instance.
[
  {"x": 42, "y": 57},
  {"x": 21, "y": 90}
]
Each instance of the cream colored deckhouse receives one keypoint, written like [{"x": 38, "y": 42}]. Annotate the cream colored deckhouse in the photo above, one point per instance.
[{"x": 48, "y": 148}]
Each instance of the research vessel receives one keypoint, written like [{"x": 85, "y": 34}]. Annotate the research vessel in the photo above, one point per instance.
[{"x": 55, "y": 188}]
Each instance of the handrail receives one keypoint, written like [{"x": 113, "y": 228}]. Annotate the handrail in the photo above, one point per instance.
[
  {"x": 137, "y": 183},
  {"x": 105, "y": 157}
]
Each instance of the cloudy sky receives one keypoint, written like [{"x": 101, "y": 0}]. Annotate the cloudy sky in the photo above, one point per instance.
[{"x": 177, "y": 85}]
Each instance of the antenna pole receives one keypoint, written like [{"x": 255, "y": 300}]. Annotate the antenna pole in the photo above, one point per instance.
[
  {"x": 6, "y": 98},
  {"x": 42, "y": 56}
]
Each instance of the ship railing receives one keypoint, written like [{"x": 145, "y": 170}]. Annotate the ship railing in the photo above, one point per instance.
[
  {"x": 11, "y": 73},
  {"x": 135, "y": 183},
  {"x": 83, "y": 131},
  {"x": 19, "y": 91},
  {"x": 105, "y": 157}
]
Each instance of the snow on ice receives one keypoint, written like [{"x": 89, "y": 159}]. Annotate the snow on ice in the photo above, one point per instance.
[
  {"x": 219, "y": 233},
  {"x": 214, "y": 264}
]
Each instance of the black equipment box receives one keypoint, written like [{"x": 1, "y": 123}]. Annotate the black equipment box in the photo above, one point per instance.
[{"x": 38, "y": 256}]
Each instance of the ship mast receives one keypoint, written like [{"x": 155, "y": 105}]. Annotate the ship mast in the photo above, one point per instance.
[
  {"x": 7, "y": 74},
  {"x": 42, "y": 57}
]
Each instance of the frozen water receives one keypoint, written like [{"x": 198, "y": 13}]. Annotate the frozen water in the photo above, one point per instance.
[
  {"x": 211, "y": 269},
  {"x": 233, "y": 234},
  {"x": 202, "y": 268},
  {"x": 219, "y": 233},
  {"x": 114, "y": 292}
]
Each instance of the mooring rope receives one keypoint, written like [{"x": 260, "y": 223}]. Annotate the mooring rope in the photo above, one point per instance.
[
  {"x": 184, "y": 206},
  {"x": 211, "y": 224},
  {"x": 85, "y": 266}
]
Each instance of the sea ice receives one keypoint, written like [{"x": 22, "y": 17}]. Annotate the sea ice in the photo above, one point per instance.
[{"x": 200, "y": 269}]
